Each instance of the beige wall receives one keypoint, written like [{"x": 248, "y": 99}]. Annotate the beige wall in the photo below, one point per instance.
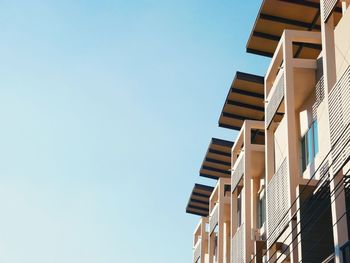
[
  {"x": 342, "y": 44},
  {"x": 280, "y": 143}
]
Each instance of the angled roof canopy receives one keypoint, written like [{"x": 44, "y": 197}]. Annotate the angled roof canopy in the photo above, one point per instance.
[
  {"x": 217, "y": 160},
  {"x": 277, "y": 15},
  {"x": 245, "y": 100},
  {"x": 198, "y": 204}
]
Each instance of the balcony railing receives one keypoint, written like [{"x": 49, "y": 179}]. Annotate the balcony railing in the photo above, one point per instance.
[
  {"x": 197, "y": 250},
  {"x": 319, "y": 96},
  {"x": 238, "y": 171},
  {"x": 277, "y": 203},
  {"x": 328, "y": 7},
  {"x": 213, "y": 218},
  {"x": 339, "y": 119},
  {"x": 238, "y": 246},
  {"x": 274, "y": 99}
]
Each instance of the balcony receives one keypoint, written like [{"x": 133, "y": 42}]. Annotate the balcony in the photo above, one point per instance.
[
  {"x": 238, "y": 171},
  {"x": 339, "y": 120},
  {"x": 214, "y": 218},
  {"x": 277, "y": 203},
  {"x": 197, "y": 250},
  {"x": 274, "y": 98},
  {"x": 328, "y": 7},
  {"x": 319, "y": 95},
  {"x": 238, "y": 246}
]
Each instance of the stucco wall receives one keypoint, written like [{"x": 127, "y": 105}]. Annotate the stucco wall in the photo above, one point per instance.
[
  {"x": 280, "y": 143},
  {"x": 342, "y": 44}
]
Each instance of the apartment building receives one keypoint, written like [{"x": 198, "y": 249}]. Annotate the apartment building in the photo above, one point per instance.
[{"x": 289, "y": 171}]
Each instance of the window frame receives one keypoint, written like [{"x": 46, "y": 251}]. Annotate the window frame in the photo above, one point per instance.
[{"x": 309, "y": 145}]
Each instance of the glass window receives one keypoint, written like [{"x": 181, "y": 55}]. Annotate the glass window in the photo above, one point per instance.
[
  {"x": 216, "y": 230},
  {"x": 346, "y": 251},
  {"x": 303, "y": 153},
  {"x": 262, "y": 210},
  {"x": 310, "y": 150},
  {"x": 315, "y": 130},
  {"x": 239, "y": 209},
  {"x": 309, "y": 145}
]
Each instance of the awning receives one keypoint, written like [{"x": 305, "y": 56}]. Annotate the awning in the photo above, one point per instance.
[
  {"x": 198, "y": 204},
  {"x": 245, "y": 100},
  {"x": 217, "y": 160},
  {"x": 277, "y": 15}
]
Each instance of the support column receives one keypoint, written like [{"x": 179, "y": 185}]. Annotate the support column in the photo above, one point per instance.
[
  {"x": 255, "y": 185},
  {"x": 330, "y": 77},
  {"x": 221, "y": 236},
  {"x": 345, "y": 4},
  {"x": 293, "y": 166},
  {"x": 247, "y": 192}
]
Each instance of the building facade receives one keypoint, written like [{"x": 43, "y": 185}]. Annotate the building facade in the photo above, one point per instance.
[{"x": 283, "y": 187}]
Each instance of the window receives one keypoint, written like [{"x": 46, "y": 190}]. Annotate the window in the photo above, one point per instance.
[
  {"x": 261, "y": 210},
  {"x": 315, "y": 130},
  {"x": 239, "y": 210},
  {"x": 345, "y": 249},
  {"x": 309, "y": 145},
  {"x": 215, "y": 241}
]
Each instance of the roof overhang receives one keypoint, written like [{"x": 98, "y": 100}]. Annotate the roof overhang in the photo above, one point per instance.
[
  {"x": 245, "y": 100},
  {"x": 198, "y": 204},
  {"x": 277, "y": 15},
  {"x": 217, "y": 160}
]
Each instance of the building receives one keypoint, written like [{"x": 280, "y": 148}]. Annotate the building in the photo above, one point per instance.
[{"x": 283, "y": 187}]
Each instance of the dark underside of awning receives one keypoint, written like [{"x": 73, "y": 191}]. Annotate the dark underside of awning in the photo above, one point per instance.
[
  {"x": 244, "y": 101},
  {"x": 217, "y": 160},
  {"x": 277, "y": 15},
  {"x": 198, "y": 204}
]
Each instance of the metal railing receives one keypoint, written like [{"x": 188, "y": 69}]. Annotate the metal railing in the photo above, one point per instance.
[
  {"x": 238, "y": 171},
  {"x": 319, "y": 96},
  {"x": 328, "y": 7},
  {"x": 277, "y": 203},
  {"x": 339, "y": 118},
  {"x": 276, "y": 97},
  {"x": 214, "y": 218},
  {"x": 197, "y": 250},
  {"x": 238, "y": 246}
]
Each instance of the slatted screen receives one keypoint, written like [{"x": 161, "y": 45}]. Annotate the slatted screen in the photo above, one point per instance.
[
  {"x": 328, "y": 7},
  {"x": 275, "y": 101},
  {"x": 238, "y": 246},
  {"x": 197, "y": 251},
  {"x": 339, "y": 118},
  {"x": 238, "y": 172},
  {"x": 214, "y": 218},
  {"x": 319, "y": 96},
  {"x": 277, "y": 203}
]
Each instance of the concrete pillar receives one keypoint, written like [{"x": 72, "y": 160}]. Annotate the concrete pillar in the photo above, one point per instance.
[
  {"x": 247, "y": 192},
  {"x": 269, "y": 153},
  {"x": 345, "y": 5},
  {"x": 221, "y": 237},
  {"x": 330, "y": 77},
  {"x": 255, "y": 185},
  {"x": 328, "y": 52},
  {"x": 293, "y": 166}
]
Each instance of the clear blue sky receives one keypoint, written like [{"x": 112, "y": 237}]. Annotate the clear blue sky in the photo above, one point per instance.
[{"x": 106, "y": 111}]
